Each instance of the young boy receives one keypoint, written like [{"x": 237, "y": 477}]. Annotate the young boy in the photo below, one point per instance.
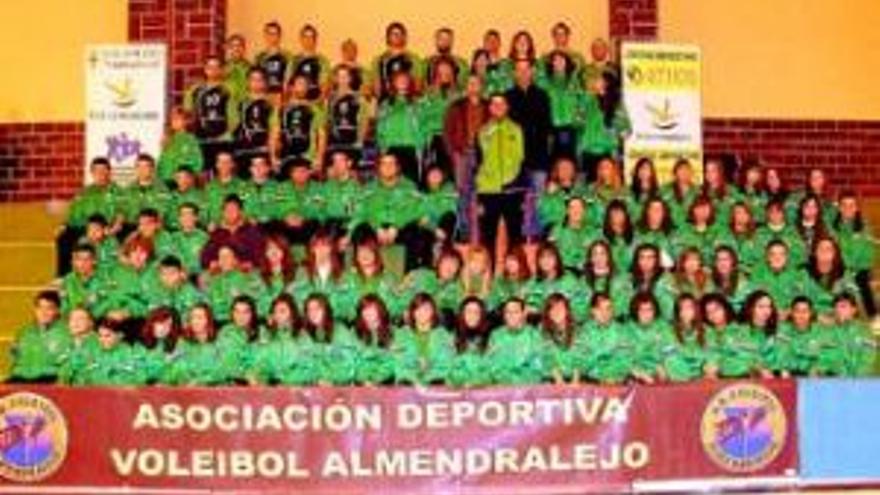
[
  {"x": 224, "y": 184},
  {"x": 213, "y": 107},
  {"x": 273, "y": 59},
  {"x": 261, "y": 194},
  {"x": 147, "y": 191},
  {"x": 302, "y": 132},
  {"x": 100, "y": 197},
  {"x": 171, "y": 288},
  {"x": 310, "y": 64},
  {"x": 186, "y": 191},
  {"x": 114, "y": 362},
  {"x": 83, "y": 347},
  {"x": 84, "y": 285},
  {"x": 181, "y": 148},
  {"x": 237, "y": 65},
  {"x": 105, "y": 245},
  {"x": 395, "y": 59},
  {"x": 296, "y": 204},
  {"x": 40, "y": 347},
  {"x": 189, "y": 239},
  {"x": 443, "y": 42}
]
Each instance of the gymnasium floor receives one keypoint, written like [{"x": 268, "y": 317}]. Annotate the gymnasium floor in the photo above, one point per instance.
[{"x": 27, "y": 260}]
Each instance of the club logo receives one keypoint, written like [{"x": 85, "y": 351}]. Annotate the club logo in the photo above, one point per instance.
[
  {"x": 33, "y": 437},
  {"x": 744, "y": 428}
]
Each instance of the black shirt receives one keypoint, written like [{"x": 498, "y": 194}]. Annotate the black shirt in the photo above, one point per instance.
[{"x": 530, "y": 108}]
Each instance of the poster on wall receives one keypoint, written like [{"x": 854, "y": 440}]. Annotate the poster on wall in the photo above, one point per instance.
[
  {"x": 662, "y": 94},
  {"x": 125, "y": 103}
]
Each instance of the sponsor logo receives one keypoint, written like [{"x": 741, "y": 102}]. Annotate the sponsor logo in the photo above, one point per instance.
[{"x": 33, "y": 437}]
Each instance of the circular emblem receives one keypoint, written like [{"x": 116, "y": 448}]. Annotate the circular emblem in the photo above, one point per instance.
[
  {"x": 743, "y": 428},
  {"x": 33, "y": 437}
]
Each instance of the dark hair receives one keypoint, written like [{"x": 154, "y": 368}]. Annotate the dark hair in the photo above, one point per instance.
[
  {"x": 148, "y": 337},
  {"x": 50, "y": 296},
  {"x": 100, "y": 161},
  {"x": 519, "y": 253},
  {"x": 715, "y": 298},
  {"x": 444, "y": 30},
  {"x": 98, "y": 219},
  {"x": 530, "y": 54},
  {"x": 479, "y": 52},
  {"x": 666, "y": 225},
  {"x": 272, "y": 25},
  {"x": 698, "y": 319},
  {"x": 677, "y": 193},
  {"x": 547, "y": 325},
  {"x": 396, "y": 25},
  {"x": 611, "y": 100},
  {"x": 253, "y": 327},
  {"x": 548, "y": 247},
  {"x": 83, "y": 248},
  {"x": 418, "y": 300},
  {"x": 382, "y": 337},
  {"x": 643, "y": 297},
  {"x": 819, "y": 228},
  {"x": 748, "y": 311},
  {"x": 608, "y": 231},
  {"x": 838, "y": 270},
  {"x": 858, "y": 221},
  {"x": 232, "y": 198},
  {"x": 171, "y": 261},
  {"x": 463, "y": 333},
  {"x": 326, "y": 326},
  {"x": 212, "y": 326},
  {"x": 323, "y": 236},
  {"x": 701, "y": 200},
  {"x": 636, "y": 185},
  {"x": 286, "y": 299},
  {"x": 373, "y": 246},
  {"x": 149, "y": 212},
  {"x": 727, "y": 286},
  {"x": 146, "y": 157},
  {"x": 589, "y": 269},
  {"x": 570, "y": 66},
  {"x": 308, "y": 28},
  {"x": 639, "y": 279},
  {"x": 288, "y": 267},
  {"x": 563, "y": 26}
]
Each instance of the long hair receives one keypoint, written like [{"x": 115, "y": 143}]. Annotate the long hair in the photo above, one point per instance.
[
  {"x": 677, "y": 191},
  {"x": 288, "y": 267},
  {"x": 530, "y": 53},
  {"x": 701, "y": 200},
  {"x": 665, "y": 226},
  {"x": 838, "y": 269},
  {"x": 697, "y": 325},
  {"x": 311, "y": 259},
  {"x": 324, "y": 327},
  {"x": 750, "y": 227},
  {"x": 382, "y": 335},
  {"x": 590, "y": 270},
  {"x": 548, "y": 248},
  {"x": 148, "y": 336},
  {"x": 570, "y": 66},
  {"x": 188, "y": 332},
  {"x": 611, "y": 100},
  {"x": 607, "y": 229},
  {"x": 253, "y": 328},
  {"x": 547, "y": 324},
  {"x": 519, "y": 253},
  {"x": 288, "y": 301},
  {"x": 748, "y": 311},
  {"x": 418, "y": 300},
  {"x": 636, "y": 185},
  {"x": 374, "y": 247},
  {"x": 465, "y": 333},
  {"x": 820, "y": 230},
  {"x": 727, "y": 285},
  {"x": 700, "y": 278},
  {"x": 640, "y": 298},
  {"x": 640, "y": 279}
]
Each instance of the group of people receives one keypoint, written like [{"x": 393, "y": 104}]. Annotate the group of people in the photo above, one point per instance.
[{"x": 227, "y": 263}]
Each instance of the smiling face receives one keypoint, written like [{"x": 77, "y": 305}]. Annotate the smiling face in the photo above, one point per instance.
[
  {"x": 762, "y": 312},
  {"x": 242, "y": 315},
  {"x": 472, "y": 314},
  {"x": 514, "y": 315}
]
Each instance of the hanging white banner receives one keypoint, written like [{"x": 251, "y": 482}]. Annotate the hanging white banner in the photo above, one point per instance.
[
  {"x": 125, "y": 103},
  {"x": 662, "y": 91}
]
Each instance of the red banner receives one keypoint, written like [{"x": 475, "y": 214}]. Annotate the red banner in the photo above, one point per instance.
[{"x": 336, "y": 441}]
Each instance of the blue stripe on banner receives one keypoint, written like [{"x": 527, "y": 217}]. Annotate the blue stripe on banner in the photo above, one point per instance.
[{"x": 839, "y": 429}]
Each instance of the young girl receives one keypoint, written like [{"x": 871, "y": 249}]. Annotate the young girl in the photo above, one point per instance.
[
  {"x": 720, "y": 192},
  {"x": 423, "y": 350},
  {"x": 432, "y": 107},
  {"x": 574, "y": 235},
  {"x": 653, "y": 337},
  {"x": 277, "y": 271},
  {"x": 607, "y": 183},
  {"x": 737, "y": 349},
  {"x": 690, "y": 277},
  {"x": 558, "y": 327},
  {"x": 568, "y": 101},
  {"x": 607, "y": 123},
  {"x": 655, "y": 228},
  {"x": 647, "y": 275},
  {"x": 727, "y": 279},
  {"x": 339, "y": 345},
  {"x": 158, "y": 345},
  {"x": 398, "y": 129},
  {"x": 827, "y": 276},
  {"x": 40, "y": 348},
  {"x": 688, "y": 361},
  {"x": 643, "y": 186},
  {"x": 618, "y": 232},
  {"x": 472, "y": 333},
  {"x": 373, "y": 329},
  {"x": 754, "y": 194},
  {"x": 777, "y": 275},
  {"x": 517, "y": 352},
  {"x": 512, "y": 279},
  {"x": 562, "y": 186},
  {"x": 322, "y": 274},
  {"x": 180, "y": 148},
  {"x": 742, "y": 236},
  {"x": 114, "y": 363},
  {"x": 286, "y": 354},
  {"x": 440, "y": 204},
  {"x": 810, "y": 220},
  {"x": 681, "y": 192},
  {"x": 199, "y": 358},
  {"x": 550, "y": 277},
  {"x": 235, "y": 338},
  {"x": 701, "y": 230},
  {"x": 477, "y": 273},
  {"x": 856, "y": 246},
  {"x": 369, "y": 276},
  {"x": 601, "y": 276}
]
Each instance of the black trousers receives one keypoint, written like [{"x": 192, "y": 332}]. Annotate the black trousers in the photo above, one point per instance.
[
  {"x": 64, "y": 244},
  {"x": 508, "y": 206},
  {"x": 410, "y": 165},
  {"x": 564, "y": 143},
  {"x": 863, "y": 282}
]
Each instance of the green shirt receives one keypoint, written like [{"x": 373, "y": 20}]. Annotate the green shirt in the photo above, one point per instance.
[
  {"x": 399, "y": 125},
  {"x": 198, "y": 363},
  {"x": 117, "y": 366},
  {"x": 216, "y": 192},
  {"x": 39, "y": 352},
  {"x": 261, "y": 200},
  {"x": 81, "y": 355},
  {"x": 188, "y": 247},
  {"x": 518, "y": 356},
  {"x": 383, "y": 205},
  {"x": 222, "y": 288},
  {"x": 422, "y": 357},
  {"x": 95, "y": 200},
  {"x": 336, "y": 199},
  {"x": 181, "y": 150},
  {"x": 606, "y": 353},
  {"x": 137, "y": 197},
  {"x": 846, "y": 349}
]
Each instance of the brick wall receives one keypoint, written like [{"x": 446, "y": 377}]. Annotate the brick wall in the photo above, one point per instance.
[
  {"x": 849, "y": 151},
  {"x": 41, "y": 161},
  {"x": 193, "y": 29}
]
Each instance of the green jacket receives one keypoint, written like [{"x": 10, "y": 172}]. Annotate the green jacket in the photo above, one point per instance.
[
  {"x": 236, "y": 77},
  {"x": 737, "y": 350},
  {"x": 422, "y": 358},
  {"x": 606, "y": 353},
  {"x": 179, "y": 198},
  {"x": 181, "y": 150},
  {"x": 292, "y": 200},
  {"x": 334, "y": 199},
  {"x": 261, "y": 200},
  {"x": 439, "y": 203},
  {"x": 846, "y": 349},
  {"x": 503, "y": 150},
  {"x": 339, "y": 292},
  {"x": 94, "y": 200},
  {"x": 399, "y": 124},
  {"x": 222, "y": 288},
  {"x": 39, "y": 352},
  {"x": 181, "y": 299},
  {"x": 339, "y": 359},
  {"x": 857, "y": 247},
  {"x": 80, "y": 356},
  {"x": 793, "y": 350},
  {"x": 598, "y": 138},
  {"x": 384, "y": 205},
  {"x": 77, "y": 291},
  {"x": 782, "y": 286},
  {"x": 687, "y": 360},
  {"x": 470, "y": 369},
  {"x": 569, "y": 103},
  {"x": 537, "y": 291},
  {"x": 518, "y": 357},
  {"x": 188, "y": 247},
  {"x": 117, "y": 366},
  {"x": 431, "y": 109},
  {"x": 135, "y": 198},
  {"x": 288, "y": 361},
  {"x": 198, "y": 363},
  {"x": 216, "y": 192}
]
